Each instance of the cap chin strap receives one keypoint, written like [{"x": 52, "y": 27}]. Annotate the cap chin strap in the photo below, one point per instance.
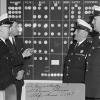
[
  {"x": 96, "y": 13},
  {"x": 83, "y": 28}
]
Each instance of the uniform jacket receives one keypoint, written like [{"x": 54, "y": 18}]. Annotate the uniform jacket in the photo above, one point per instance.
[
  {"x": 92, "y": 79},
  {"x": 18, "y": 55},
  {"x": 74, "y": 64},
  {"x": 6, "y": 77}
]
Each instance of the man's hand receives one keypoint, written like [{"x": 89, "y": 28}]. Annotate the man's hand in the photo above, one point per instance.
[
  {"x": 28, "y": 52},
  {"x": 32, "y": 50},
  {"x": 20, "y": 75}
]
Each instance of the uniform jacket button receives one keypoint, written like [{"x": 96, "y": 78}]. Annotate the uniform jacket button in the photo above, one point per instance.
[
  {"x": 71, "y": 53},
  {"x": 89, "y": 54},
  {"x": 87, "y": 70}
]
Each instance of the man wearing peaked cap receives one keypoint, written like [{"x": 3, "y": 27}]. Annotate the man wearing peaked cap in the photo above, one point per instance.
[
  {"x": 84, "y": 25},
  {"x": 4, "y": 20},
  {"x": 74, "y": 64},
  {"x": 93, "y": 61},
  {"x": 6, "y": 77},
  {"x": 96, "y": 10}
]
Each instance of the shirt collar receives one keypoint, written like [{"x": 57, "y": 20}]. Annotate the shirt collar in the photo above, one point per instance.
[
  {"x": 3, "y": 40},
  {"x": 10, "y": 38},
  {"x": 81, "y": 42}
]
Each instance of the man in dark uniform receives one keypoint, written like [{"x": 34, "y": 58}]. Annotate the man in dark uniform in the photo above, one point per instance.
[
  {"x": 6, "y": 77},
  {"x": 17, "y": 46},
  {"x": 92, "y": 79},
  {"x": 74, "y": 65}
]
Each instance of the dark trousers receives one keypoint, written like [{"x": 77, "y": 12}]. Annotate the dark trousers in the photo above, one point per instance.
[{"x": 18, "y": 89}]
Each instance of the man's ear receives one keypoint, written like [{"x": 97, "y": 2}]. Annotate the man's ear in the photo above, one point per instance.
[
  {"x": 10, "y": 28},
  {"x": 86, "y": 33}
]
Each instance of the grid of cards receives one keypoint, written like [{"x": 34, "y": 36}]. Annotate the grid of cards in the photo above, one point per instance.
[{"x": 47, "y": 26}]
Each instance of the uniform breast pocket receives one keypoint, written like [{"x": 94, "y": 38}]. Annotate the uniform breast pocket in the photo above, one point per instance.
[
  {"x": 97, "y": 49},
  {"x": 4, "y": 57},
  {"x": 80, "y": 60},
  {"x": 95, "y": 59}
]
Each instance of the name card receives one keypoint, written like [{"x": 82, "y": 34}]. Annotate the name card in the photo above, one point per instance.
[{"x": 54, "y": 91}]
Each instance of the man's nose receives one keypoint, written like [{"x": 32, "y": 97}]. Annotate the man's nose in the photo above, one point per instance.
[{"x": 75, "y": 32}]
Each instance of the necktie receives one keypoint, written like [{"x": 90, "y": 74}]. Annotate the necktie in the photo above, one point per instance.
[
  {"x": 76, "y": 45},
  {"x": 14, "y": 45},
  {"x": 6, "y": 42}
]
